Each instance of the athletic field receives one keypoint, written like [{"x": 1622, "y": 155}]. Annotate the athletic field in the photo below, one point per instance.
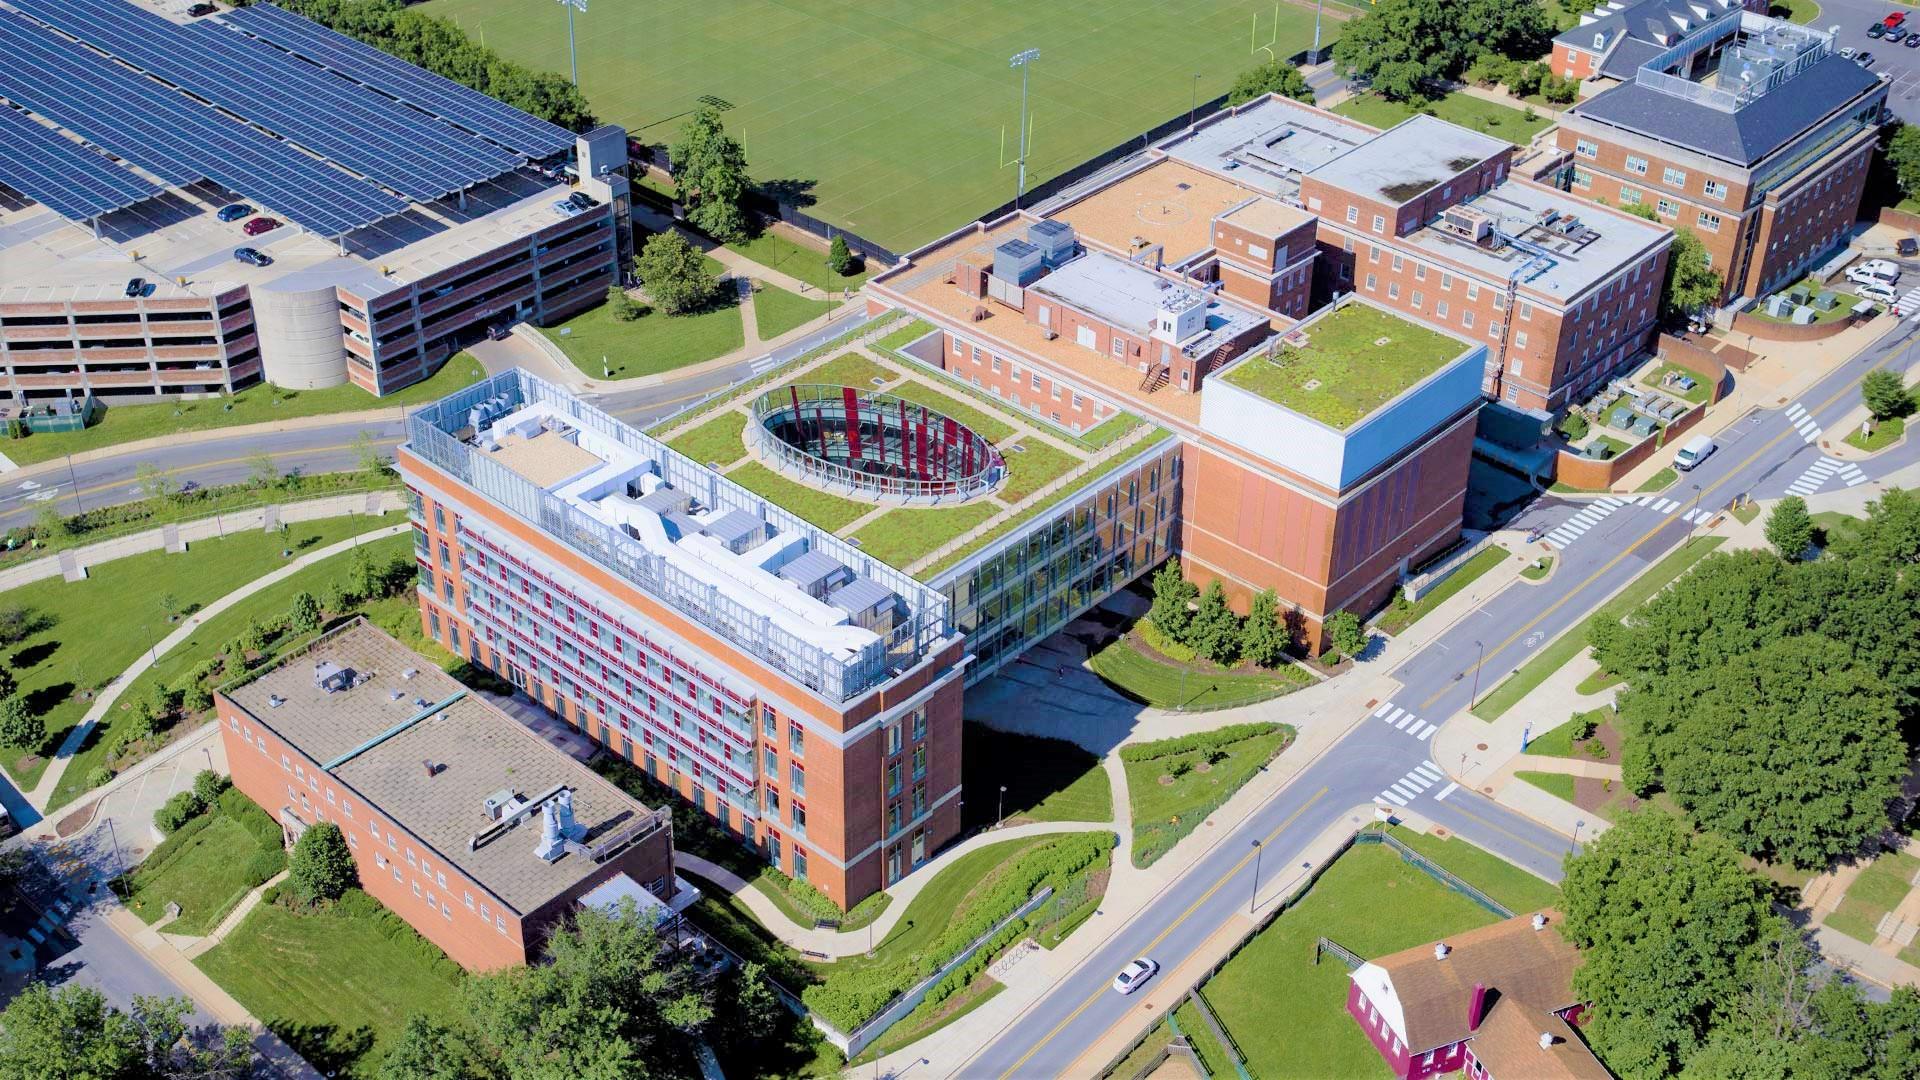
[{"x": 893, "y": 110}]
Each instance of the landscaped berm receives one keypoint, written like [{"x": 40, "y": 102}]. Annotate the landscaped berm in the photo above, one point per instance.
[{"x": 1341, "y": 366}]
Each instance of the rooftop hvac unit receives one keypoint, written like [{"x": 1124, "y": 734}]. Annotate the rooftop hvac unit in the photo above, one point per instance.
[
  {"x": 1467, "y": 223},
  {"x": 1019, "y": 263},
  {"x": 1055, "y": 240},
  {"x": 501, "y": 803}
]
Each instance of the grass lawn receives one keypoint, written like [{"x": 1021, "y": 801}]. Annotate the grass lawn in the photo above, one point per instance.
[
  {"x": 1596, "y": 682},
  {"x": 1559, "y": 785},
  {"x": 1147, "y": 1053},
  {"x": 987, "y": 427},
  {"x": 1575, "y": 640},
  {"x": 905, "y": 334},
  {"x": 1654, "y": 380},
  {"x": 259, "y": 404},
  {"x": 1135, "y": 670},
  {"x": 1343, "y": 373},
  {"x": 1487, "y": 117},
  {"x": 1878, "y": 890},
  {"x": 1007, "y": 525},
  {"x": 830, "y": 512},
  {"x": 1537, "y": 569},
  {"x": 1032, "y": 465},
  {"x": 211, "y": 637},
  {"x": 888, "y": 116},
  {"x": 96, "y": 627},
  {"x": 337, "y": 984},
  {"x": 776, "y": 251},
  {"x": 1046, "y": 779},
  {"x": 1213, "y": 1056},
  {"x": 203, "y": 878},
  {"x": 1559, "y": 741},
  {"x": 776, "y": 311},
  {"x": 1400, "y": 615},
  {"x": 719, "y": 440},
  {"x": 1840, "y": 310},
  {"x": 929, "y": 1018},
  {"x": 1834, "y": 526},
  {"x": 1287, "y": 1013},
  {"x": 1491, "y": 874},
  {"x": 1171, "y": 793},
  {"x": 1660, "y": 481},
  {"x": 650, "y": 344},
  {"x": 1803, "y": 12},
  {"x": 850, "y": 369},
  {"x": 1885, "y": 434},
  {"x": 939, "y": 903},
  {"x": 1111, "y": 430},
  {"x": 904, "y": 535}
]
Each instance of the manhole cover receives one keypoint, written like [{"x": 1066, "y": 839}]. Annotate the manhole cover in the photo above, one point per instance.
[
  {"x": 1481, "y": 746},
  {"x": 1310, "y": 384}
]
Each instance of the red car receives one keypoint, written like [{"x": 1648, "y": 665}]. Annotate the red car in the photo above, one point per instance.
[
  {"x": 259, "y": 225},
  {"x": 1894, "y": 19}
]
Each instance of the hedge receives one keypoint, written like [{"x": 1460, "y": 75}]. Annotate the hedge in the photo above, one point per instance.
[
  {"x": 357, "y": 904},
  {"x": 850, "y": 998},
  {"x": 166, "y": 849},
  {"x": 1199, "y": 740}
]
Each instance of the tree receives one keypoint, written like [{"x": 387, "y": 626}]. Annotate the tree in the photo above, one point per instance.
[
  {"x": 1263, "y": 638},
  {"x": 623, "y": 307},
  {"x": 262, "y": 472},
  {"x": 1664, "y": 919},
  {"x": 756, "y": 1008},
  {"x": 1790, "y": 527},
  {"x": 1903, "y": 156},
  {"x": 1890, "y": 531},
  {"x": 180, "y": 808},
  {"x": 1272, "y": 77},
  {"x": 1885, "y": 394},
  {"x": 9, "y": 685},
  {"x": 303, "y": 613},
  {"x": 68, "y": 1034},
  {"x": 840, "y": 258},
  {"x": 51, "y": 524},
  {"x": 1171, "y": 596},
  {"x": 208, "y": 786},
  {"x": 368, "y": 454},
  {"x": 363, "y": 577},
  {"x": 1215, "y": 631},
  {"x": 710, "y": 167},
  {"x": 674, "y": 274},
  {"x": 321, "y": 868},
  {"x": 1691, "y": 284},
  {"x": 196, "y": 699},
  {"x": 1344, "y": 630},
  {"x": 174, "y": 1051},
  {"x": 425, "y": 1050},
  {"x": 154, "y": 482},
  {"x": 19, "y": 726},
  {"x": 1405, "y": 45}
]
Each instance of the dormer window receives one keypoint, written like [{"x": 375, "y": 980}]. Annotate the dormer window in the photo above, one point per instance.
[{"x": 1599, "y": 42}]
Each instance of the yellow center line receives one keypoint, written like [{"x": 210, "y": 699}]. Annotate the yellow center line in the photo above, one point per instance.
[
  {"x": 1170, "y": 928},
  {"x": 1650, "y": 534},
  {"x": 134, "y": 481},
  {"x": 1471, "y": 816}
]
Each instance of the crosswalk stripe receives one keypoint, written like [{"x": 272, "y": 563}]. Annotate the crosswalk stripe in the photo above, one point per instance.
[
  {"x": 1404, "y": 721},
  {"x": 1418, "y": 782},
  {"x": 1561, "y": 538},
  {"x": 1390, "y": 798},
  {"x": 1396, "y": 714},
  {"x": 1611, "y": 503},
  {"x": 1812, "y": 435},
  {"x": 1795, "y": 410},
  {"x": 1801, "y": 488},
  {"x": 1404, "y": 793},
  {"x": 1428, "y": 734},
  {"x": 1857, "y": 480},
  {"x": 1445, "y": 791},
  {"x": 1429, "y": 769},
  {"x": 1420, "y": 730},
  {"x": 1382, "y": 710}
]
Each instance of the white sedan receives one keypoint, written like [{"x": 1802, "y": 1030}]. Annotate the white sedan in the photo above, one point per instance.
[{"x": 1135, "y": 975}]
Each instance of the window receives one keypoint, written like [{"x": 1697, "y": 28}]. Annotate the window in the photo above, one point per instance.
[
  {"x": 1636, "y": 165},
  {"x": 799, "y": 780},
  {"x": 1393, "y": 290},
  {"x": 1674, "y": 177},
  {"x": 1466, "y": 318},
  {"x": 1709, "y": 222},
  {"x": 1399, "y": 263},
  {"x": 1353, "y": 215},
  {"x": 1379, "y": 223},
  {"x": 1629, "y": 196},
  {"x": 1667, "y": 208},
  {"x": 1440, "y": 310},
  {"x": 1586, "y": 149},
  {"x": 1370, "y": 283},
  {"x": 1373, "y": 255},
  {"x": 919, "y": 762},
  {"x": 1419, "y": 271},
  {"x": 799, "y": 864},
  {"x": 1519, "y": 342},
  {"x": 1581, "y": 177},
  {"x": 893, "y": 739},
  {"x": 795, "y": 741},
  {"x": 1473, "y": 290},
  {"x": 920, "y": 719},
  {"x": 1418, "y": 300},
  {"x": 799, "y": 818},
  {"x": 893, "y": 778},
  {"x": 1716, "y": 189}
]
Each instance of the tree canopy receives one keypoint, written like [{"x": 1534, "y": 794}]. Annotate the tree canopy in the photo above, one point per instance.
[
  {"x": 674, "y": 274},
  {"x": 1272, "y": 77},
  {"x": 321, "y": 868},
  {"x": 1403, "y": 46},
  {"x": 1215, "y": 633},
  {"x": 1790, "y": 527},
  {"x": 710, "y": 167},
  {"x": 1690, "y": 284},
  {"x": 73, "y": 1034},
  {"x": 1885, "y": 394},
  {"x": 1171, "y": 595},
  {"x": 1903, "y": 156}
]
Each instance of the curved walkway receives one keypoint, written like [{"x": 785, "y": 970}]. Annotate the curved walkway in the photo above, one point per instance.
[
  {"x": 834, "y": 944},
  {"x": 71, "y": 744}
]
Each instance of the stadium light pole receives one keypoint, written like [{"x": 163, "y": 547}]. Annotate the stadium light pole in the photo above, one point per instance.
[
  {"x": 1023, "y": 60},
  {"x": 573, "y": 54},
  {"x": 1317, "y": 6}
]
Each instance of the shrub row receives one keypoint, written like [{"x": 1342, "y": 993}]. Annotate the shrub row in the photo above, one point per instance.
[
  {"x": 851, "y": 997},
  {"x": 1199, "y": 740},
  {"x": 660, "y": 429},
  {"x": 356, "y": 904}
]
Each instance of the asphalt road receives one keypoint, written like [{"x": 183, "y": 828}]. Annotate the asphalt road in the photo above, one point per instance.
[
  {"x": 1901, "y": 63},
  {"x": 1762, "y": 455}
]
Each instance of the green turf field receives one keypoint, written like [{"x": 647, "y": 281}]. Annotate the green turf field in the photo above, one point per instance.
[{"x": 893, "y": 109}]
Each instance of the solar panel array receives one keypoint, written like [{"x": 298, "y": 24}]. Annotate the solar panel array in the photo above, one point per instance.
[
  {"x": 60, "y": 174},
  {"x": 175, "y": 138},
  {"x": 493, "y": 120},
  {"x": 397, "y": 147}
]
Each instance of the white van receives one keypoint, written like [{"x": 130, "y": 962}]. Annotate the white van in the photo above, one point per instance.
[
  {"x": 1697, "y": 450},
  {"x": 1874, "y": 270}
]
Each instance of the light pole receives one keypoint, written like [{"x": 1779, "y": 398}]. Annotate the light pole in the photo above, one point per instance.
[
  {"x": 1023, "y": 60},
  {"x": 1693, "y": 518},
  {"x": 573, "y": 54},
  {"x": 1000, "y": 810},
  {"x": 1193, "y": 100},
  {"x": 79, "y": 507},
  {"x": 1473, "y": 696},
  {"x": 1577, "y": 822},
  {"x": 1318, "y": 4},
  {"x": 1254, "y": 898}
]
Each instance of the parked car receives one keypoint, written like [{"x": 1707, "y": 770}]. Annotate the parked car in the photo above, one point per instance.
[
  {"x": 252, "y": 256},
  {"x": 1913, "y": 41},
  {"x": 198, "y": 10},
  {"x": 1878, "y": 291},
  {"x": 565, "y": 208},
  {"x": 583, "y": 200},
  {"x": 1897, "y": 34},
  {"x": 1880, "y": 269},
  {"x": 1877, "y": 30},
  {"x": 1907, "y": 248},
  {"x": 234, "y": 212},
  {"x": 1894, "y": 19},
  {"x": 260, "y": 225},
  {"x": 1846, "y": 52},
  {"x": 1698, "y": 449},
  {"x": 136, "y": 287},
  {"x": 1865, "y": 59},
  {"x": 1135, "y": 975}
]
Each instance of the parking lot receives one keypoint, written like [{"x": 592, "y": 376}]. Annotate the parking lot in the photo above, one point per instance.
[{"x": 1899, "y": 61}]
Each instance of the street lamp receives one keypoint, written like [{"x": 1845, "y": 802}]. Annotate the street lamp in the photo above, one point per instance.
[
  {"x": 1022, "y": 60},
  {"x": 573, "y": 53},
  {"x": 1193, "y": 100},
  {"x": 1693, "y": 518},
  {"x": 1473, "y": 696},
  {"x": 1577, "y": 822},
  {"x": 1254, "y": 898},
  {"x": 1000, "y": 812}
]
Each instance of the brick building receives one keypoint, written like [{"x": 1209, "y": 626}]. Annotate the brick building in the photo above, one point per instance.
[
  {"x": 1750, "y": 132},
  {"x": 463, "y": 822},
  {"x": 802, "y": 694},
  {"x": 1617, "y": 37},
  {"x": 1496, "y": 1003}
]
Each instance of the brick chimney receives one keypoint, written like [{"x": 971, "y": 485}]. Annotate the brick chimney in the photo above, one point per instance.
[{"x": 1477, "y": 1007}]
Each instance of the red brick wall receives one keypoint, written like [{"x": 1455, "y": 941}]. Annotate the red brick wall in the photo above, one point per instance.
[
  {"x": 1014, "y": 383},
  {"x": 1574, "y": 63}
]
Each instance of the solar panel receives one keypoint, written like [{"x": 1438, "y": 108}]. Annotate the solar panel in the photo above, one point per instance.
[
  {"x": 462, "y": 106},
  {"x": 395, "y": 146},
  {"x": 60, "y": 174},
  {"x": 175, "y": 138}
]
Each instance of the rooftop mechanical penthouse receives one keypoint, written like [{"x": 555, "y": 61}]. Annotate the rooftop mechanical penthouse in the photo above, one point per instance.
[{"x": 803, "y": 693}]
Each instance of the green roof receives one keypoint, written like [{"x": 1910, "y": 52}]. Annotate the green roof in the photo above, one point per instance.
[{"x": 1356, "y": 359}]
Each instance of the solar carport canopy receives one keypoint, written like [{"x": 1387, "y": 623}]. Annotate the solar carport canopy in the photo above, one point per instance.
[
  {"x": 174, "y": 137},
  {"x": 341, "y": 121},
  {"x": 493, "y": 120},
  {"x": 62, "y": 175}
]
